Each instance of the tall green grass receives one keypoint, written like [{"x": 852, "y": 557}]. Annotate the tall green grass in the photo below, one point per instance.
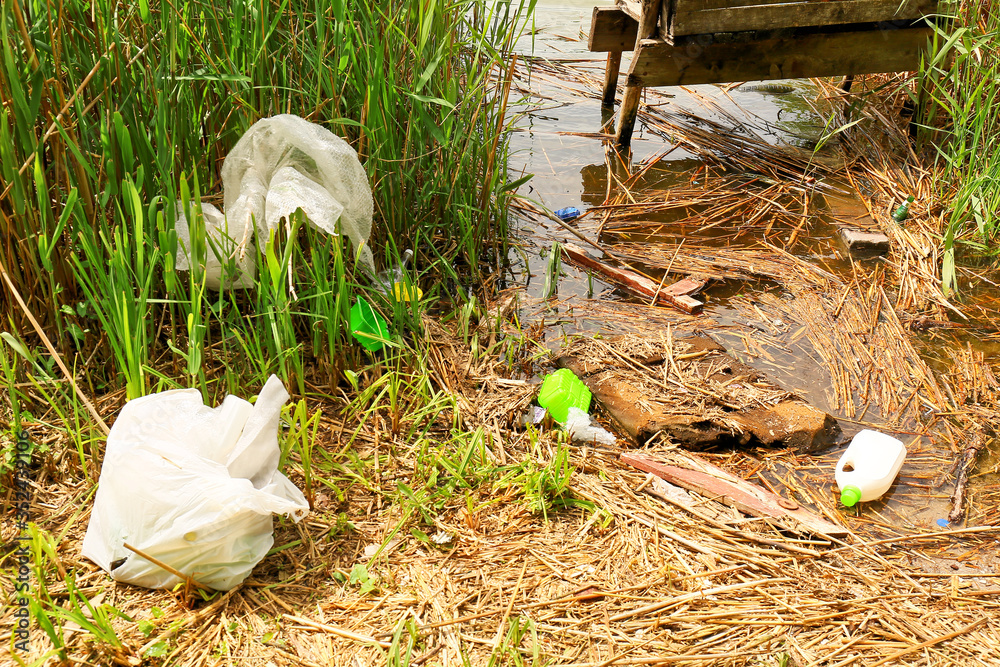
[
  {"x": 113, "y": 111},
  {"x": 961, "y": 95}
]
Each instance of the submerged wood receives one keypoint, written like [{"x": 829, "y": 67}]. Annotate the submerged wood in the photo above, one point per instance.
[
  {"x": 966, "y": 462},
  {"x": 696, "y": 474},
  {"x": 676, "y": 295},
  {"x": 694, "y": 393}
]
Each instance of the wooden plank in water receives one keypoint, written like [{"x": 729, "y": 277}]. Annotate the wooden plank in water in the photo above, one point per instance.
[
  {"x": 676, "y": 295},
  {"x": 705, "y": 60},
  {"x": 697, "y": 474},
  {"x": 611, "y": 29},
  {"x": 698, "y": 17}
]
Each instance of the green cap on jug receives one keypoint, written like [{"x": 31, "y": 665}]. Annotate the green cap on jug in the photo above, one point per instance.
[
  {"x": 850, "y": 495},
  {"x": 561, "y": 391}
]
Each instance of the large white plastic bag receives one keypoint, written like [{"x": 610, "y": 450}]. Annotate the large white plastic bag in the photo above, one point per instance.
[
  {"x": 282, "y": 164},
  {"x": 221, "y": 243},
  {"x": 193, "y": 487}
]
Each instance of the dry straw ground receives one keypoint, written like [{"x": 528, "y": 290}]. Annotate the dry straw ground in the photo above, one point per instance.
[{"x": 611, "y": 572}]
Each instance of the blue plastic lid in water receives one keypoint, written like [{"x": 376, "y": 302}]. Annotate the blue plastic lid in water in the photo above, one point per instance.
[
  {"x": 568, "y": 213},
  {"x": 943, "y": 523}
]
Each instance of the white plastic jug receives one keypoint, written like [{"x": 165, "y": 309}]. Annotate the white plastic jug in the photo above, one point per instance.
[{"x": 869, "y": 466}]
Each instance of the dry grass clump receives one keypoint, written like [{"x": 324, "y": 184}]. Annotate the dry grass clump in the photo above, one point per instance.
[
  {"x": 431, "y": 545},
  {"x": 617, "y": 577}
]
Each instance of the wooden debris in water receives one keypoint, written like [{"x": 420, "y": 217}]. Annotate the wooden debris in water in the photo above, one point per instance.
[
  {"x": 677, "y": 294},
  {"x": 966, "y": 462},
  {"x": 696, "y": 474},
  {"x": 692, "y": 392}
]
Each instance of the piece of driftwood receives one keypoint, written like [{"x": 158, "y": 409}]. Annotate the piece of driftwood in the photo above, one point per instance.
[
  {"x": 677, "y": 295},
  {"x": 696, "y": 474},
  {"x": 695, "y": 393},
  {"x": 966, "y": 463},
  {"x": 865, "y": 244}
]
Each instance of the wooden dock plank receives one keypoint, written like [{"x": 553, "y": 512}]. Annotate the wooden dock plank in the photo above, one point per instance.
[
  {"x": 779, "y": 57},
  {"x": 632, "y": 7},
  {"x": 688, "y": 6},
  {"x": 693, "y": 18},
  {"x": 611, "y": 29}
]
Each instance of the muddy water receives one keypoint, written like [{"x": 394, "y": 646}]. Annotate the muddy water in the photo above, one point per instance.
[
  {"x": 571, "y": 170},
  {"x": 574, "y": 170}
]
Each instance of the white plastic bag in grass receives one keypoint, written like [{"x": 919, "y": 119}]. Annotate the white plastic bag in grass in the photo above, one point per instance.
[
  {"x": 280, "y": 165},
  {"x": 222, "y": 244},
  {"x": 191, "y": 486}
]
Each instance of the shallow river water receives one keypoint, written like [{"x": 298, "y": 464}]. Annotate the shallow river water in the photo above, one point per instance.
[{"x": 558, "y": 140}]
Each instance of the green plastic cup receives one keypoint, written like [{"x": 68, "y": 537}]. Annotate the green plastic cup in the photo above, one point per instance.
[
  {"x": 367, "y": 326},
  {"x": 561, "y": 391}
]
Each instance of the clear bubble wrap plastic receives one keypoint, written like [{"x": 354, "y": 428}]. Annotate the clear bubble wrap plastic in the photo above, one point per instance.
[{"x": 280, "y": 165}]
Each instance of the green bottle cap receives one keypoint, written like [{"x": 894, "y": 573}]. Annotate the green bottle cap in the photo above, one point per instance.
[{"x": 850, "y": 495}]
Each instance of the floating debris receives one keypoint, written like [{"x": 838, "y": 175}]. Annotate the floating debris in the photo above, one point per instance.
[{"x": 694, "y": 393}]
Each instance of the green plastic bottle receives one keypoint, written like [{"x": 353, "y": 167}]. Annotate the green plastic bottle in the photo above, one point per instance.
[
  {"x": 368, "y": 326},
  {"x": 561, "y": 391},
  {"x": 900, "y": 213}
]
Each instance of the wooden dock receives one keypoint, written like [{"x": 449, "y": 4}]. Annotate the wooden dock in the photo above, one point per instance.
[{"x": 687, "y": 42}]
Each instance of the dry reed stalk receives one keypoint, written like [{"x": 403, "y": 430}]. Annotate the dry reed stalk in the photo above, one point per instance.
[
  {"x": 590, "y": 587},
  {"x": 878, "y": 146},
  {"x": 871, "y": 358}
]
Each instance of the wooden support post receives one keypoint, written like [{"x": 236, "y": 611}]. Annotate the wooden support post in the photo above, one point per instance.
[
  {"x": 845, "y": 87},
  {"x": 630, "y": 103},
  {"x": 611, "y": 79},
  {"x": 626, "y": 116}
]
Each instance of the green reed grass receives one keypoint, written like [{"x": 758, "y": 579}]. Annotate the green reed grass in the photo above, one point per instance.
[
  {"x": 960, "y": 84},
  {"x": 112, "y": 112}
]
